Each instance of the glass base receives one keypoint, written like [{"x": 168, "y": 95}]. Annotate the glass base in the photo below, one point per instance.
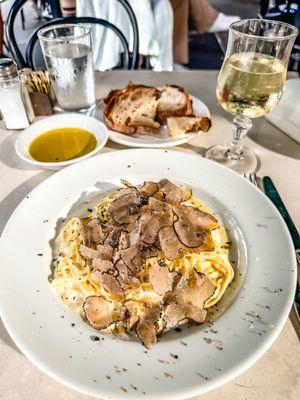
[
  {"x": 87, "y": 111},
  {"x": 242, "y": 164}
]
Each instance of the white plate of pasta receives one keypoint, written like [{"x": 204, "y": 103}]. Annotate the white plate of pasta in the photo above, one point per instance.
[{"x": 145, "y": 273}]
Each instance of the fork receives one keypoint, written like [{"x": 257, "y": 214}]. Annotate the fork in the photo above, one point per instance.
[
  {"x": 294, "y": 314},
  {"x": 253, "y": 178}
]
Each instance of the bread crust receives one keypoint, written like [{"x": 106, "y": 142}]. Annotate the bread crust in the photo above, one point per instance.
[{"x": 117, "y": 96}]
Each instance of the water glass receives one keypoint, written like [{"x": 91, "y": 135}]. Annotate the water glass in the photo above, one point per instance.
[{"x": 67, "y": 50}]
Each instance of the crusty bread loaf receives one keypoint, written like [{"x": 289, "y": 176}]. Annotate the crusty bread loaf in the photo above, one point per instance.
[
  {"x": 132, "y": 110},
  {"x": 174, "y": 101},
  {"x": 139, "y": 109},
  {"x": 180, "y": 126}
]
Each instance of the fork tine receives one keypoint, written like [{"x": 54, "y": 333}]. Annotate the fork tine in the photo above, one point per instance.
[{"x": 253, "y": 178}]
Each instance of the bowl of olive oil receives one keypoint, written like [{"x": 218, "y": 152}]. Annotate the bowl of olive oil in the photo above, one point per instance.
[{"x": 60, "y": 140}]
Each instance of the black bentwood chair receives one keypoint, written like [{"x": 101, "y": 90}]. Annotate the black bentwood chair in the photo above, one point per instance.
[{"x": 129, "y": 61}]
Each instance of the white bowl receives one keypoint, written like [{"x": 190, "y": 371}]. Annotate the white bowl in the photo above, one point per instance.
[{"x": 96, "y": 127}]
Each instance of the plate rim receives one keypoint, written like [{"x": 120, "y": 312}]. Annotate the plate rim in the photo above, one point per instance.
[{"x": 184, "y": 393}]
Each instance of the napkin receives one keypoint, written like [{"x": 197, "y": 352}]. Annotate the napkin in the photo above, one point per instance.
[{"x": 286, "y": 116}]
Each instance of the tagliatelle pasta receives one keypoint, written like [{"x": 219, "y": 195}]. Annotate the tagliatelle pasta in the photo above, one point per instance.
[{"x": 72, "y": 275}]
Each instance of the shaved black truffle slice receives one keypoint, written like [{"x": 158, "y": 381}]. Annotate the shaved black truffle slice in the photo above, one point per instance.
[
  {"x": 147, "y": 325},
  {"x": 94, "y": 231},
  {"x": 161, "y": 278},
  {"x": 176, "y": 314},
  {"x": 148, "y": 188},
  {"x": 193, "y": 225},
  {"x": 98, "y": 312},
  {"x": 133, "y": 318},
  {"x": 154, "y": 216},
  {"x": 194, "y": 289},
  {"x": 88, "y": 252},
  {"x": 171, "y": 193},
  {"x": 125, "y": 206},
  {"x": 174, "y": 248},
  {"x": 105, "y": 251},
  {"x": 109, "y": 280}
]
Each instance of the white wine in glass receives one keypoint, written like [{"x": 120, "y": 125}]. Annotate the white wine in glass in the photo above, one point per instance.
[{"x": 251, "y": 82}]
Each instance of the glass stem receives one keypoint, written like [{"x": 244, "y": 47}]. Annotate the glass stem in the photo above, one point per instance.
[{"x": 241, "y": 126}]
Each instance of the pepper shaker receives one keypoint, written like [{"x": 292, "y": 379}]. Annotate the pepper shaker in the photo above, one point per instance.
[{"x": 15, "y": 105}]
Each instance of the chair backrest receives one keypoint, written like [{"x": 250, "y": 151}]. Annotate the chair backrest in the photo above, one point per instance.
[
  {"x": 80, "y": 20},
  {"x": 18, "y": 57}
]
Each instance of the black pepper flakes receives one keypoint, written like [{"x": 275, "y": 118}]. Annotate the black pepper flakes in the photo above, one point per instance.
[
  {"x": 174, "y": 356},
  {"x": 72, "y": 324},
  {"x": 124, "y": 390},
  {"x": 40, "y": 254},
  {"x": 202, "y": 376},
  {"x": 94, "y": 338}
]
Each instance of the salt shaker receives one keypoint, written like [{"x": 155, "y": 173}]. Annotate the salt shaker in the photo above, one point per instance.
[{"x": 15, "y": 104}]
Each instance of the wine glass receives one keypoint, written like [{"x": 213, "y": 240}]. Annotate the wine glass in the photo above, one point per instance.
[{"x": 251, "y": 82}]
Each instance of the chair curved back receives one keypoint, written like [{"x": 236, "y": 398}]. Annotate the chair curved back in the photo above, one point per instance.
[
  {"x": 73, "y": 20},
  {"x": 10, "y": 29},
  {"x": 18, "y": 57}
]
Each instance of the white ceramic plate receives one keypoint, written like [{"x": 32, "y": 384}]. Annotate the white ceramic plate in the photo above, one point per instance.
[
  {"x": 68, "y": 120},
  {"x": 110, "y": 368},
  {"x": 162, "y": 139}
]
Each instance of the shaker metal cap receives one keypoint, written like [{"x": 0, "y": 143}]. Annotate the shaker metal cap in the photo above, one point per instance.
[{"x": 8, "y": 69}]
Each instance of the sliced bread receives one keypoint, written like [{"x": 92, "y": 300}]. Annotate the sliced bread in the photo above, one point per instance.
[
  {"x": 174, "y": 101},
  {"x": 132, "y": 110},
  {"x": 180, "y": 126}
]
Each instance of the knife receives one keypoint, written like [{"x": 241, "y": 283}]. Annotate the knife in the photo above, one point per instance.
[{"x": 271, "y": 191}]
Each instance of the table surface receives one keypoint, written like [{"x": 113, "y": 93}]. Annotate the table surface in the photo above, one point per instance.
[{"x": 276, "y": 375}]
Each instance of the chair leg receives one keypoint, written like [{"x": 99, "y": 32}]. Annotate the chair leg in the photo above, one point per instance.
[{"x": 22, "y": 19}]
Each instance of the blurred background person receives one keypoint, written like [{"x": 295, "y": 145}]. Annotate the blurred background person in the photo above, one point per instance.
[
  {"x": 155, "y": 22},
  {"x": 204, "y": 18}
]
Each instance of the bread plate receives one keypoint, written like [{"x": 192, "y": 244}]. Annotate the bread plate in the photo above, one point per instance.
[
  {"x": 157, "y": 140},
  {"x": 183, "y": 363}
]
